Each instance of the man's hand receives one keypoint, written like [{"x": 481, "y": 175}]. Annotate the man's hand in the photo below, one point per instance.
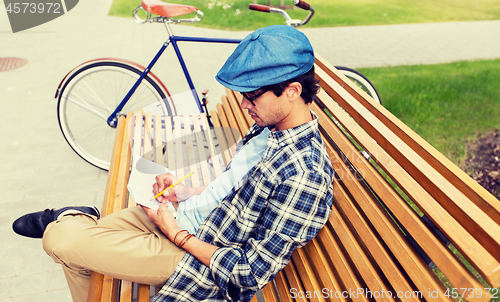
[
  {"x": 178, "y": 193},
  {"x": 164, "y": 220}
]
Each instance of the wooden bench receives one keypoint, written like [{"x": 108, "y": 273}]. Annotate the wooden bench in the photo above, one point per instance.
[{"x": 406, "y": 222}]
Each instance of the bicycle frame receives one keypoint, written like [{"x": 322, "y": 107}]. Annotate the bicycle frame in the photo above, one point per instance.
[{"x": 173, "y": 39}]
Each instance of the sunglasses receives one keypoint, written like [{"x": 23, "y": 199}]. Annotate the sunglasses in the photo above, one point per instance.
[{"x": 251, "y": 99}]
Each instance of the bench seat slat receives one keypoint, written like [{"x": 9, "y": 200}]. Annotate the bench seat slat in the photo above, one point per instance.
[{"x": 126, "y": 291}]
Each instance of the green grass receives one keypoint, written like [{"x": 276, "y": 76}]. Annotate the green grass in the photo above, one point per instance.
[
  {"x": 235, "y": 15},
  {"x": 447, "y": 104}
]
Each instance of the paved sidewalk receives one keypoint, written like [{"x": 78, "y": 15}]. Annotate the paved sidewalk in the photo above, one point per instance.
[{"x": 38, "y": 168}]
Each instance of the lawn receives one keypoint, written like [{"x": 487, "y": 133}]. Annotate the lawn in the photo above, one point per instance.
[
  {"x": 235, "y": 15},
  {"x": 447, "y": 104}
]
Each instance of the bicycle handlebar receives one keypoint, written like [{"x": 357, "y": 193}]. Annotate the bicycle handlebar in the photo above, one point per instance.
[
  {"x": 289, "y": 21},
  {"x": 302, "y": 4},
  {"x": 260, "y": 8}
]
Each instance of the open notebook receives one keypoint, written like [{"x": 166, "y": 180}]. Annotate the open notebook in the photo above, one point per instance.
[{"x": 142, "y": 178}]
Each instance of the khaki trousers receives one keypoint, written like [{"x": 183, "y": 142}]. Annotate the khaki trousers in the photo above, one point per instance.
[{"x": 125, "y": 245}]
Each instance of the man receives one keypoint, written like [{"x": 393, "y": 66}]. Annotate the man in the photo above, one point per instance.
[{"x": 247, "y": 223}]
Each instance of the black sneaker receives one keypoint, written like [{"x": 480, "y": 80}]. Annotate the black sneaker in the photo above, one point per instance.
[{"x": 34, "y": 224}]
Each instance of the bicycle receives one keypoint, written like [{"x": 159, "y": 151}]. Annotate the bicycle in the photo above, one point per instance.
[{"x": 94, "y": 94}]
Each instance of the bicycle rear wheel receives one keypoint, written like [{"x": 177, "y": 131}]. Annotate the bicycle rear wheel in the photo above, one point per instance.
[
  {"x": 91, "y": 94},
  {"x": 361, "y": 81}
]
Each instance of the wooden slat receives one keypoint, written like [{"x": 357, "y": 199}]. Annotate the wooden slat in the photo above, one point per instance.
[
  {"x": 424, "y": 277},
  {"x": 221, "y": 138},
  {"x": 483, "y": 246},
  {"x": 282, "y": 286},
  {"x": 295, "y": 283},
  {"x": 96, "y": 280},
  {"x": 215, "y": 159},
  {"x": 407, "y": 217},
  {"x": 371, "y": 275},
  {"x": 238, "y": 97},
  {"x": 323, "y": 269},
  {"x": 147, "y": 151},
  {"x": 269, "y": 293},
  {"x": 143, "y": 293},
  {"x": 431, "y": 245},
  {"x": 126, "y": 291},
  {"x": 231, "y": 120},
  {"x": 95, "y": 288},
  {"x": 482, "y": 198},
  {"x": 340, "y": 261},
  {"x": 188, "y": 134},
  {"x": 202, "y": 154},
  {"x": 170, "y": 141},
  {"x": 238, "y": 114},
  {"x": 109, "y": 289},
  {"x": 382, "y": 256},
  {"x": 158, "y": 140},
  {"x": 226, "y": 128},
  {"x": 179, "y": 152},
  {"x": 306, "y": 272}
]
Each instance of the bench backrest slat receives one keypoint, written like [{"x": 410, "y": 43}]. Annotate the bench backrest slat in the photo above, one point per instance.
[
  {"x": 229, "y": 132},
  {"x": 361, "y": 198},
  {"x": 482, "y": 198},
  {"x": 179, "y": 152},
  {"x": 188, "y": 134},
  {"x": 219, "y": 133},
  {"x": 473, "y": 231},
  {"x": 237, "y": 111}
]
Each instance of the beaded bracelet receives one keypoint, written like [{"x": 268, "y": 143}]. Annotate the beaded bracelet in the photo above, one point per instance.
[
  {"x": 175, "y": 238},
  {"x": 185, "y": 240}
]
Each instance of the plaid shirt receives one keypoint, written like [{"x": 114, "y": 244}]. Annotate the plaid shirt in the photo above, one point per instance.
[{"x": 279, "y": 206}]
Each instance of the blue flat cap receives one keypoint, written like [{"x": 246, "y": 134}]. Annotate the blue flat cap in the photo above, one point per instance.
[{"x": 268, "y": 56}]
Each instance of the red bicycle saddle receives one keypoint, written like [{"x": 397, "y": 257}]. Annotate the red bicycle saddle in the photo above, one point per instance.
[{"x": 167, "y": 10}]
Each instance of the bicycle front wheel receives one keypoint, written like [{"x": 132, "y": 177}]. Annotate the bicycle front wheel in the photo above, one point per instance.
[
  {"x": 361, "y": 81},
  {"x": 91, "y": 94}
]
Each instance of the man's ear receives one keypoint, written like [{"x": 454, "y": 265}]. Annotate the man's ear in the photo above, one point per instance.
[{"x": 293, "y": 90}]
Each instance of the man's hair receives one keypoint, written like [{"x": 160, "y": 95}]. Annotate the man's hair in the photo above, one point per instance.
[{"x": 310, "y": 86}]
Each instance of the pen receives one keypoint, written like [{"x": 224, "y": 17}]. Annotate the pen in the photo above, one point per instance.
[{"x": 172, "y": 185}]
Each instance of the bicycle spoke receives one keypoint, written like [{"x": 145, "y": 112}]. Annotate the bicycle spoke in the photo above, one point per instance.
[
  {"x": 98, "y": 98},
  {"x": 86, "y": 106}
]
